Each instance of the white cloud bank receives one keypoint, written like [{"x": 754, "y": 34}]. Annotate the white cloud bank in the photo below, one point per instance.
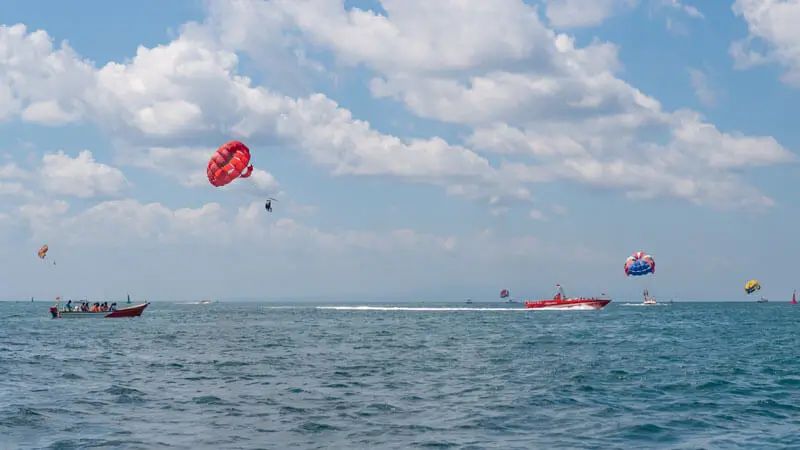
[
  {"x": 524, "y": 92},
  {"x": 522, "y": 88},
  {"x": 772, "y": 23}
]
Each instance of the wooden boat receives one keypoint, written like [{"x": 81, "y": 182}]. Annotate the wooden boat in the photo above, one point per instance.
[{"x": 129, "y": 311}]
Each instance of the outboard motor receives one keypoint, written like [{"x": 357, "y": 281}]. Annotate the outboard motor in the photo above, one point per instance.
[{"x": 54, "y": 312}]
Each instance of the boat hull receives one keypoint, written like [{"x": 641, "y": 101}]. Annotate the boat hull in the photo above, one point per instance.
[
  {"x": 130, "y": 311},
  {"x": 570, "y": 303}
]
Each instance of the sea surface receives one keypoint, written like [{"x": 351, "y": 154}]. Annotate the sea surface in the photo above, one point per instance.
[{"x": 260, "y": 376}]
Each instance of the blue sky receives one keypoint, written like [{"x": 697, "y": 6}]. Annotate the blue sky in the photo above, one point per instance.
[{"x": 416, "y": 151}]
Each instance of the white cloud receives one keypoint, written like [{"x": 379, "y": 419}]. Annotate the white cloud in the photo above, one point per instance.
[
  {"x": 689, "y": 10},
  {"x": 537, "y": 94},
  {"x": 184, "y": 164},
  {"x": 584, "y": 13},
  {"x": 195, "y": 71},
  {"x": 300, "y": 209},
  {"x": 14, "y": 189},
  {"x": 129, "y": 224},
  {"x": 774, "y": 24},
  {"x": 567, "y": 14},
  {"x": 520, "y": 88},
  {"x": 188, "y": 92},
  {"x": 39, "y": 82},
  {"x": 40, "y": 216},
  {"x": 537, "y": 215},
  {"x": 81, "y": 176},
  {"x": 272, "y": 255},
  {"x": 13, "y": 171},
  {"x": 700, "y": 84}
]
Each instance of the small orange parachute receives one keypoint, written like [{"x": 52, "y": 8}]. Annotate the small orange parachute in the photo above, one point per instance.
[
  {"x": 43, "y": 251},
  {"x": 228, "y": 163}
]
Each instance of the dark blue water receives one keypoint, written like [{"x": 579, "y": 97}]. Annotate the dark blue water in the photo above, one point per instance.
[{"x": 247, "y": 376}]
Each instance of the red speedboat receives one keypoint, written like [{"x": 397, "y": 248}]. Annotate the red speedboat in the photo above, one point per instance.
[
  {"x": 561, "y": 301},
  {"x": 130, "y": 311}
]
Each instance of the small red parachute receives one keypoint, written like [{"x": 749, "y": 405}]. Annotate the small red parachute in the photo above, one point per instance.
[{"x": 229, "y": 163}]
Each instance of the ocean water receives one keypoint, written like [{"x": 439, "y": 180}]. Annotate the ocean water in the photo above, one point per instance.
[{"x": 255, "y": 376}]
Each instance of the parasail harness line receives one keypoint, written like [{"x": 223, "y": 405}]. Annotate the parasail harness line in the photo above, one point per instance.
[{"x": 268, "y": 204}]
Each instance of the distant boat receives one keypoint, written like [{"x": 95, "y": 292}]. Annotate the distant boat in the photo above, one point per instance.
[
  {"x": 469, "y": 301},
  {"x": 794, "y": 297},
  {"x": 648, "y": 300},
  {"x": 762, "y": 300},
  {"x": 204, "y": 302}
]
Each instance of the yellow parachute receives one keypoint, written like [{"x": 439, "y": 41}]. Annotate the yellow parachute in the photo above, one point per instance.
[{"x": 752, "y": 286}]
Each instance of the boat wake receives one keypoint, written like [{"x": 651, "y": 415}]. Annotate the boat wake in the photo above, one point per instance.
[
  {"x": 446, "y": 308},
  {"x": 579, "y": 307},
  {"x": 414, "y": 308},
  {"x": 642, "y": 304}
]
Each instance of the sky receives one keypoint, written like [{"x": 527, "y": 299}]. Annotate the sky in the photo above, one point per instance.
[{"x": 418, "y": 149}]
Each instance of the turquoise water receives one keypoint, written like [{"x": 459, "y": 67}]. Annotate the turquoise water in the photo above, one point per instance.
[{"x": 247, "y": 376}]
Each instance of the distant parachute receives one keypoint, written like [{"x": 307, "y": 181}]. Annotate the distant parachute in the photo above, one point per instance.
[
  {"x": 42, "y": 253},
  {"x": 229, "y": 162},
  {"x": 504, "y": 293},
  {"x": 752, "y": 286},
  {"x": 639, "y": 264}
]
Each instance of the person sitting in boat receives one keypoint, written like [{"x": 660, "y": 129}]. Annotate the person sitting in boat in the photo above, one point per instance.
[
  {"x": 68, "y": 306},
  {"x": 113, "y": 307}
]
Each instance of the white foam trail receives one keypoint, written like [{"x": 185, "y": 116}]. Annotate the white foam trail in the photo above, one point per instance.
[
  {"x": 414, "y": 308},
  {"x": 288, "y": 307},
  {"x": 568, "y": 308},
  {"x": 642, "y": 304},
  {"x": 445, "y": 308}
]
